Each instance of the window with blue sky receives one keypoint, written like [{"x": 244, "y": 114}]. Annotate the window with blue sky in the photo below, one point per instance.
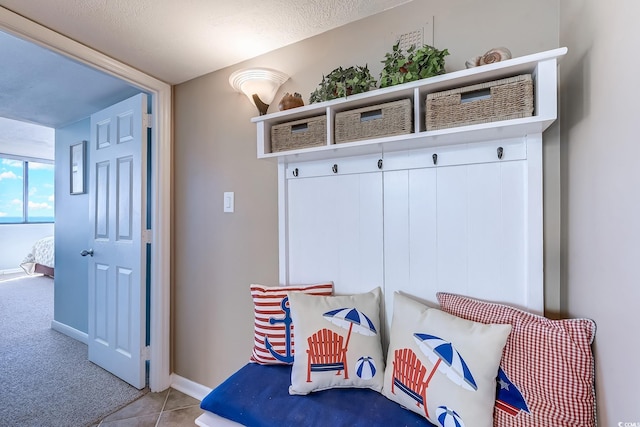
[{"x": 26, "y": 191}]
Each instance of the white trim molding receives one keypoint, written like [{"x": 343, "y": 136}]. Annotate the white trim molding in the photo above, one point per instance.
[
  {"x": 159, "y": 375},
  {"x": 188, "y": 387},
  {"x": 70, "y": 332}
]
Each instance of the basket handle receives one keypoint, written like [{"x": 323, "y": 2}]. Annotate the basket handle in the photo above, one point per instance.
[
  {"x": 367, "y": 116},
  {"x": 476, "y": 95},
  {"x": 302, "y": 127}
]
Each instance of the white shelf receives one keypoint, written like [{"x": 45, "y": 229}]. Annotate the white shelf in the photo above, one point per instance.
[{"x": 542, "y": 66}]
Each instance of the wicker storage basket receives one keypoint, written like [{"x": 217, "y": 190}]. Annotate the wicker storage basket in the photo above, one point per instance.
[
  {"x": 311, "y": 132},
  {"x": 391, "y": 118},
  {"x": 504, "y": 99}
]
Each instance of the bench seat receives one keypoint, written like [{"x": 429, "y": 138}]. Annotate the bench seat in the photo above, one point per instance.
[{"x": 258, "y": 396}]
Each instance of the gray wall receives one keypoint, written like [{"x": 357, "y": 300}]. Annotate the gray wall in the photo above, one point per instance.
[
  {"x": 71, "y": 235},
  {"x": 600, "y": 203},
  {"x": 216, "y": 255}
]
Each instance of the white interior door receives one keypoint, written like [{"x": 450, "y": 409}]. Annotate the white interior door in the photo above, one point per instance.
[{"x": 117, "y": 280}]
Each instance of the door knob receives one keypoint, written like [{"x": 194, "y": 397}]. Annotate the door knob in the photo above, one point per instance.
[{"x": 87, "y": 252}]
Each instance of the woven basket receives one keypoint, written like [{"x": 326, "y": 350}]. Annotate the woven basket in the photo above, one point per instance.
[
  {"x": 305, "y": 133},
  {"x": 391, "y": 118},
  {"x": 504, "y": 99}
]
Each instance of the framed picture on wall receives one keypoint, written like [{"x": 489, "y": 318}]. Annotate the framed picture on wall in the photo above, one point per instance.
[{"x": 77, "y": 167}]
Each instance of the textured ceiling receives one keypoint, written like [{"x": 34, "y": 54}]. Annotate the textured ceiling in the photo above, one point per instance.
[{"x": 176, "y": 41}]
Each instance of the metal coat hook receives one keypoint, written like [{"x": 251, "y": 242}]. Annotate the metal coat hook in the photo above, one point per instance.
[
  {"x": 500, "y": 152},
  {"x": 295, "y": 172},
  {"x": 335, "y": 168},
  {"x": 435, "y": 159},
  {"x": 380, "y": 164}
]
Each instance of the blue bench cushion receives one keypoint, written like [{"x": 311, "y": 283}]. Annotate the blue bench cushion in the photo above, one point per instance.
[{"x": 258, "y": 396}]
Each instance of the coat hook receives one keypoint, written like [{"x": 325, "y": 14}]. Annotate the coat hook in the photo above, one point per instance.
[
  {"x": 380, "y": 164},
  {"x": 295, "y": 172},
  {"x": 435, "y": 159},
  {"x": 500, "y": 152},
  {"x": 335, "y": 168}
]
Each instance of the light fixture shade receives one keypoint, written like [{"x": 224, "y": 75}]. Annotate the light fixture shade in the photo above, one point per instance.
[{"x": 263, "y": 82}]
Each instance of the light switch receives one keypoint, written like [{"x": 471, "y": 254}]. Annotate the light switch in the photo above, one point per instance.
[{"x": 228, "y": 201}]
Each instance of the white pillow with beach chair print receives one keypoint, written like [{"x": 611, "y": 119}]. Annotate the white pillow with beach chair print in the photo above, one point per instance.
[
  {"x": 337, "y": 342},
  {"x": 441, "y": 366}
]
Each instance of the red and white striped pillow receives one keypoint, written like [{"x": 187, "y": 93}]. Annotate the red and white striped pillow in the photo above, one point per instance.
[
  {"x": 273, "y": 320},
  {"x": 547, "y": 366}
]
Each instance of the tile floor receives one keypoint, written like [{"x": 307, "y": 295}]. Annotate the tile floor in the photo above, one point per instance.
[{"x": 169, "y": 408}]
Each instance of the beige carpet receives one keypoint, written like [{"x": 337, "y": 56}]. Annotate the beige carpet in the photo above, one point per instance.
[{"x": 45, "y": 376}]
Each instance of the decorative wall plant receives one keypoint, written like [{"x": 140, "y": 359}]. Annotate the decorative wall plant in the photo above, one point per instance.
[
  {"x": 414, "y": 64},
  {"x": 343, "y": 82}
]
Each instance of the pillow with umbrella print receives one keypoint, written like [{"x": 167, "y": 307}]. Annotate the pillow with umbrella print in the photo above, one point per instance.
[
  {"x": 441, "y": 366},
  {"x": 337, "y": 342}
]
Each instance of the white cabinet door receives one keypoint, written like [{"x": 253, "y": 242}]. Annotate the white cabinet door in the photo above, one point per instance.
[
  {"x": 467, "y": 222},
  {"x": 459, "y": 224},
  {"x": 409, "y": 234},
  {"x": 481, "y": 229},
  {"x": 334, "y": 225}
]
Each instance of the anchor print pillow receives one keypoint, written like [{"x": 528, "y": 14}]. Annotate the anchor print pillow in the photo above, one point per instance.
[
  {"x": 546, "y": 374},
  {"x": 441, "y": 366},
  {"x": 337, "y": 342},
  {"x": 273, "y": 331}
]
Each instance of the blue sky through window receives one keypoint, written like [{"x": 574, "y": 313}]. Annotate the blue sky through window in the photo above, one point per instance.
[{"x": 40, "y": 192}]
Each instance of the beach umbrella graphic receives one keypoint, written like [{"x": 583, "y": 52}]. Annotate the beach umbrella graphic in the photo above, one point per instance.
[
  {"x": 448, "y": 417},
  {"x": 365, "y": 368},
  {"x": 446, "y": 359},
  {"x": 352, "y": 319}
]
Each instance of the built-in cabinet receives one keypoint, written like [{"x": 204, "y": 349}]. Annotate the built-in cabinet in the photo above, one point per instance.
[
  {"x": 456, "y": 210},
  {"x": 462, "y": 226}
]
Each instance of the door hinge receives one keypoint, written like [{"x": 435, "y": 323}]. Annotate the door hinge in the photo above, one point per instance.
[
  {"x": 147, "y": 236},
  {"x": 146, "y": 353},
  {"x": 147, "y": 120}
]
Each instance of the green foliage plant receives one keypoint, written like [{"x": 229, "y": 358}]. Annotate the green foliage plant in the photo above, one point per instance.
[
  {"x": 414, "y": 64},
  {"x": 343, "y": 82}
]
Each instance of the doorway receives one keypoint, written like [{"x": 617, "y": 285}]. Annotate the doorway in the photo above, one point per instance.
[{"x": 160, "y": 160}]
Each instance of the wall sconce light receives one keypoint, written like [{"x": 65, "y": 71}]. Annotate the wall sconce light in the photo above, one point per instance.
[{"x": 259, "y": 84}]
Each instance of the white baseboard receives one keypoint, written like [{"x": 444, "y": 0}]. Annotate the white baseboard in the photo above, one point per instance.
[
  {"x": 11, "y": 271},
  {"x": 70, "y": 332},
  {"x": 188, "y": 387}
]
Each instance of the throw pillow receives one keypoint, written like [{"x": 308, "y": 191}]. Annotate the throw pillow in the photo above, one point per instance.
[
  {"x": 273, "y": 332},
  {"x": 337, "y": 342},
  {"x": 441, "y": 366},
  {"x": 547, "y": 369}
]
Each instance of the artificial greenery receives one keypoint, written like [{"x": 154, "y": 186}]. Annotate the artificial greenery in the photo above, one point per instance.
[
  {"x": 343, "y": 82},
  {"x": 414, "y": 64}
]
